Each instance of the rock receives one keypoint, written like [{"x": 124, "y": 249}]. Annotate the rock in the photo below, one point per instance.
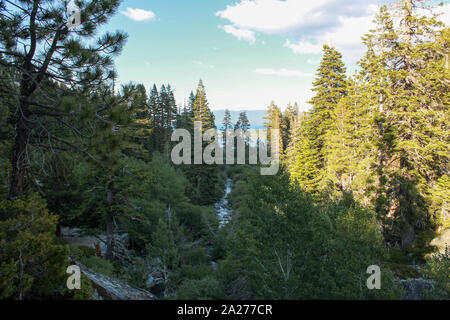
[
  {"x": 154, "y": 279},
  {"x": 74, "y": 236},
  {"x": 415, "y": 289},
  {"x": 71, "y": 232},
  {"x": 442, "y": 241},
  {"x": 107, "y": 288}
]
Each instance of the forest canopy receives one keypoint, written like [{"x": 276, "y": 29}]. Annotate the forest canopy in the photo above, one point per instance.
[{"x": 364, "y": 178}]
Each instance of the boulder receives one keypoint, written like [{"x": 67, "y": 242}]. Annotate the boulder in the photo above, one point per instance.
[
  {"x": 415, "y": 289},
  {"x": 107, "y": 288},
  {"x": 442, "y": 241}
]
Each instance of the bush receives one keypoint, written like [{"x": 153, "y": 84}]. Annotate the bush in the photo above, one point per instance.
[
  {"x": 205, "y": 289},
  {"x": 32, "y": 264},
  {"x": 81, "y": 252},
  {"x": 285, "y": 246},
  {"x": 99, "y": 265},
  {"x": 438, "y": 269},
  {"x": 85, "y": 293}
]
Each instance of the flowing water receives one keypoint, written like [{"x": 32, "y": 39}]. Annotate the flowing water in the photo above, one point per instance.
[{"x": 222, "y": 206}]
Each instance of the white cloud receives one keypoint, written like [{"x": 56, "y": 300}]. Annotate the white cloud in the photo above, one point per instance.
[
  {"x": 139, "y": 14},
  {"x": 271, "y": 16},
  {"x": 347, "y": 37},
  {"x": 303, "y": 47},
  {"x": 292, "y": 17},
  {"x": 241, "y": 34},
  {"x": 282, "y": 72},
  {"x": 307, "y": 25}
]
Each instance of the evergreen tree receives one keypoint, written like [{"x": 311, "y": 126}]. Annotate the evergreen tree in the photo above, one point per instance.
[
  {"x": 227, "y": 126},
  {"x": 348, "y": 142},
  {"x": 290, "y": 116},
  {"x": 286, "y": 247},
  {"x": 405, "y": 66},
  {"x": 203, "y": 177},
  {"x": 162, "y": 251},
  {"x": 50, "y": 50},
  {"x": 242, "y": 123},
  {"x": 274, "y": 118},
  {"x": 156, "y": 107},
  {"x": 305, "y": 163},
  {"x": 140, "y": 130},
  {"x": 330, "y": 86},
  {"x": 201, "y": 111},
  {"x": 32, "y": 262}
]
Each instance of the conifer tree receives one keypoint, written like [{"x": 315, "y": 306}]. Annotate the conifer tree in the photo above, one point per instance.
[
  {"x": 203, "y": 177},
  {"x": 330, "y": 86},
  {"x": 349, "y": 149},
  {"x": 156, "y": 111},
  {"x": 290, "y": 116},
  {"x": 140, "y": 129},
  {"x": 201, "y": 111},
  {"x": 226, "y": 127},
  {"x": 226, "y": 124},
  {"x": 274, "y": 118},
  {"x": 46, "y": 49},
  {"x": 405, "y": 66},
  {"x": 304, "y": 160},
  {"x": 242, "y": 123}
]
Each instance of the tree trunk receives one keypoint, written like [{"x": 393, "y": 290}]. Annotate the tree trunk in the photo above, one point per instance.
[
  {"x": 109, "y": 222},
  {"x": 198, "y": 195},
  {"x": 19, "y": 153},
  {"x": 408, "y": 236},
  {"x": 381, "y": 155}
]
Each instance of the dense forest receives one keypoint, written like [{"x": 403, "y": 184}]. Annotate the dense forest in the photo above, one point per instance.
[{"x": 364, "y": 177}]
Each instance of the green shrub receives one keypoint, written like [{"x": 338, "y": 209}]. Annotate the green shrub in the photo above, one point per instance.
[
  {"x": 207, "y": 288},
  {"x": 438, "y": 269},
  {"x": 99, "y": 265},
  {"x": 195, "y": 256},
  {"x": 32, "y": 264},
  {"x": 85, "y": 293},
  {"x": 79, "y": 252}
]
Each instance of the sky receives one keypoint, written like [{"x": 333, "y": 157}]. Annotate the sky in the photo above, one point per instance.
[{"x": 247, "y": 52}]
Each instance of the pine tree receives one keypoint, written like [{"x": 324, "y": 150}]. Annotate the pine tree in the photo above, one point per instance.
[
  {"x": 226, "y": 124},
  {"x": 274, "y": 118},
  {"x": 330, "y": 86},
  {"x": 169, "y": 113},
  {"x": 140, "y": 129},
  {"x": 203, "y": 177},
  {"x": 349, "y": 154},
  {"x": 405, "y": 66},
  {"x": 154, "y": 105},
  {"x": 242, "y": 123},
  {"x": 172, "y": 111},
  {"x": 304, "y": 158},
  {"x": 46, "y": 39},
  {"x": 162, "y": 251},
  {"x": 107, "y": 145},
  {"x": 157, "y": 117},
  {"x": 290, "y": 116},
  {"x": 201, "y": 111}
]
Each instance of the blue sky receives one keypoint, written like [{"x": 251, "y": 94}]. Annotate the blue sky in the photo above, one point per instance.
[{"x": 247, "y": 52}]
